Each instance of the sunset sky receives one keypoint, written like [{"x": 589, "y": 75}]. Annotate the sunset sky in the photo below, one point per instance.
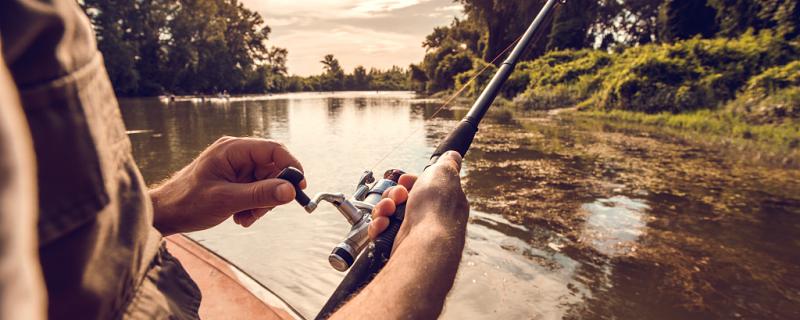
[{"x": 372, "y": 33}]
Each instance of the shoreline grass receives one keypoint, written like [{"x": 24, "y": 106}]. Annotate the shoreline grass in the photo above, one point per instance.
[{"x": 783, "y": 135}]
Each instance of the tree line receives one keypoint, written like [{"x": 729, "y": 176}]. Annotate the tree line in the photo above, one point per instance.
[
  {"x": 154, "y": 47},
  {"x": 608, "y": 25}
]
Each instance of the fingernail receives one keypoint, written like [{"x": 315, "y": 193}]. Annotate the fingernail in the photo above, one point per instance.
[{"x": 284, "y": 192}]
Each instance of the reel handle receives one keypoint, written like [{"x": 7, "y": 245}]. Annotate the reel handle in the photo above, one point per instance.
[{"x": 295, "y": 176}]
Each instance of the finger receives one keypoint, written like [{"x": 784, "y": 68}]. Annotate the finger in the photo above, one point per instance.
[
  {"x": 262, "y": 152},
  {"x": 377, "y": 226},
  {"x": 259, "y": 194},
  {"x": 260, "y": 212},
  {"x": 245, "y": 218},
  {"x": 269, "y": 156},
  {"x": 249, "y": 217},
  {"x": 398, "y": 194},
  {"x": 384, "y": 208},
  {"x": 263, "y": 171},
  {"x": 385, "y": 193},
  {"x": 407, "y": 180}
]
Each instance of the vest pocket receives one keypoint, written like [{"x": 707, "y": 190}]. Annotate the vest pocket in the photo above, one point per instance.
[{"x": 62, "y": 115}]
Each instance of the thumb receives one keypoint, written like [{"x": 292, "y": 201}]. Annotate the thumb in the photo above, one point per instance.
[{"x": 262, "y": 194}]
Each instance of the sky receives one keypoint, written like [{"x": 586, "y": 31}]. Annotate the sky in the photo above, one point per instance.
[{"x": 372, "y": 33}]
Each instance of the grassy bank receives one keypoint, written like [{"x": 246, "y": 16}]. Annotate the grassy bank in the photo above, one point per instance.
[
  {"x": 744, "y": 88},
  {"x": 720, "y": 123}
]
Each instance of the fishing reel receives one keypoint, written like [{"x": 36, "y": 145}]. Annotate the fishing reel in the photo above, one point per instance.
[{"x": 357, "y": 210}]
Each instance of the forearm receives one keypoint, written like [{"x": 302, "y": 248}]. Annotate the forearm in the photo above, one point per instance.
[{"x": 415, "y": 282}]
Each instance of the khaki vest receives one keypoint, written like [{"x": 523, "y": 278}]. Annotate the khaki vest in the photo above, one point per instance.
[{"x": 100, "y": 255}]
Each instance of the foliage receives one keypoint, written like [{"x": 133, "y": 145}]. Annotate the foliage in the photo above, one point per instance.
[
  {"x": 571, "y": 25},
  {"x": 562, "y": 78},
  {"x": 183, "y": 46},
  {"x": 688, "y": 75},
  {"x": 684, "y": 19},
  {"x": 775, "y": 79},
  {"x": 477, "y": 78},
  {"x": 773, "y": 96},
  {"x": 502, "y": 20},
  {"x": 334, "y": 78},
  {"x": 786, "y": 134}
]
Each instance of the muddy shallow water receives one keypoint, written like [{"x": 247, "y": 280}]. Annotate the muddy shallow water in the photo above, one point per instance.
[{"x": 572, "y": 218}]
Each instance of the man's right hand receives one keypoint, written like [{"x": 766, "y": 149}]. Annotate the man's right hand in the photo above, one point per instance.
[
  {"x": 427, "y": 250},
  {"x": 436, "y": 199}
]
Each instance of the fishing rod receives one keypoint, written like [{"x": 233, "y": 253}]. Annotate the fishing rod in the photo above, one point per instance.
[{"x": 358, "y": 208}]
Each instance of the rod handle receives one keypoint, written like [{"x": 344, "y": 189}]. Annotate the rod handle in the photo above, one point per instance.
[
  {"x": 458, "y": 140},
  {"x": 366, "y": 267}
]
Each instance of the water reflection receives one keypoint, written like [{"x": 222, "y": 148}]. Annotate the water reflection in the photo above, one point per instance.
[{"x": 615, "y": 224}]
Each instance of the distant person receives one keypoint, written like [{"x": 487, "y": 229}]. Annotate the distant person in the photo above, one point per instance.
[{"x": 80, "y": 233}]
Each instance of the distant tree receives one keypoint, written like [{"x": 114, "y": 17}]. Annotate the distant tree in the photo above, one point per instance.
[
  {"x": 360, "y": 79},
  {"x": 333, "y": 78},
  {"x": 417, "y": 77}
]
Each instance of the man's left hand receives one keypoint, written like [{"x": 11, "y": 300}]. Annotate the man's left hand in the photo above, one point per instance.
[{"x": 232, "y": 177}]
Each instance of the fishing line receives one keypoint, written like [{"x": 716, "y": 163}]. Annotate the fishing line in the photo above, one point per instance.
[
  {"x": 537, "y": 37},
  {"x": 445, "y": 104}
]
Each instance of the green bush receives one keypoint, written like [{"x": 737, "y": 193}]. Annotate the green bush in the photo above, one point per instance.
[
  {"x": 482, "y": 79},
  {"x": 683, "y": 76},
  {"x": 559, "y": 79},
  {"x": 775, "y": 78},
  {"x": 689, "y": 75}
]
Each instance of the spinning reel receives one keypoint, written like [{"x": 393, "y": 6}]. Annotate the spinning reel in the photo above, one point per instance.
[{"x": 357, "y": 210}]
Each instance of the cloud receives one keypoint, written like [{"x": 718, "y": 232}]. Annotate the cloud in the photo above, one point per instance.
[
  {"x": 353, "y": 46},
  {"x": 326, "y": 9},
  {"x": 372, "y": 33},
  {"x": 383, "y": 6}
]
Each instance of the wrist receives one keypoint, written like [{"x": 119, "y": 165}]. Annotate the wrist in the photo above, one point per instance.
[
  {"x": 161, "y": 211},
  {"x": 442, "y": 230}
]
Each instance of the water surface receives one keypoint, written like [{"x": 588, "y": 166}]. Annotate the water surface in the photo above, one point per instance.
[{"x": 571, "y": 218}]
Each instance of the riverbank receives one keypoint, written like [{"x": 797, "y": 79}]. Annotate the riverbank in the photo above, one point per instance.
[{"x": 781, "y": 139}]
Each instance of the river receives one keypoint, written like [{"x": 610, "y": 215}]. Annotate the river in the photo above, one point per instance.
[{"x": 571, "y": 218}]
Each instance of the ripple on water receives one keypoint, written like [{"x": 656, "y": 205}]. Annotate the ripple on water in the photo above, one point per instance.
[
  {"x": 615, "y": 224},
  {"x": 502, "y": 275}
]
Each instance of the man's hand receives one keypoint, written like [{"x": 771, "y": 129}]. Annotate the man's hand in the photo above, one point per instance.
[
  {"x": 436, "y": 199},
  {"x": 234, "y": 176},
  {"x": 427, "y": 249}
]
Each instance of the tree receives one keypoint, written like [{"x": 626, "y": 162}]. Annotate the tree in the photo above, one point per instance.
[
  {"x": 785, "y": 15},
  {"x": 417, "y": 77},
  {"x": 684, "y": 19},
  {"x": 333, "y": 78},
  {"x": 571, "y": 24},
  {"x": 361, "y": 80},
  {"x": 734, "y": 17},
  {"x": 504, "y": 21},
  {"x": 183, "y": 46}
]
